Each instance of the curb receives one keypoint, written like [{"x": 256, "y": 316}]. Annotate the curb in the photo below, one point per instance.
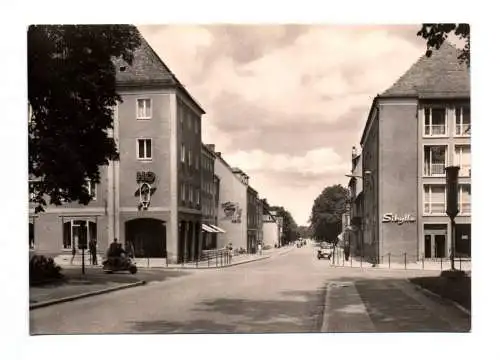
[
  {"x": 324, "y": 322},
  {"x": 433, "y": 294},
  {"x": 84, "y": 295}
]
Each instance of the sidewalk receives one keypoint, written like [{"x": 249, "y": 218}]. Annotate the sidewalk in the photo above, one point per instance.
[
  {"x": 77, "y": 285},
  {"x": 464, "y": 265},
  {"x": 213, "y": 263}
]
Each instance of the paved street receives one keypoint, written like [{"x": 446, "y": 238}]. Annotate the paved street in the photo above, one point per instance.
[{"x": 294, "y": 292}]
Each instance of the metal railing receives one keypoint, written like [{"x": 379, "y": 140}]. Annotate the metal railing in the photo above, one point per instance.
[
  {"x": 403, "y": 261},
  {"x": 434, "y": 169},
  {"x": 439, "y": 129}
]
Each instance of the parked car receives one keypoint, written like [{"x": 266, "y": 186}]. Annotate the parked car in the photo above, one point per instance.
[{"x": 325, "y": 251}]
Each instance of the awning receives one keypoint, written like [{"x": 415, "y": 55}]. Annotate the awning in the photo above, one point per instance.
[
  {"x": 207, "y": 228},
  {"x": 218, "y": 229}
]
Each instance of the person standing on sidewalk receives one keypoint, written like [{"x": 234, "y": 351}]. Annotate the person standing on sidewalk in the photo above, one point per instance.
[
  {"x": 93, "y": 251},
  {"x": 260, "y": 249}
]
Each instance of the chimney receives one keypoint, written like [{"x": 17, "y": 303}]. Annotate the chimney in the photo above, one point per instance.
[
  {"x": 354, "y": 152},
  {"x": 210, "y": 147}
]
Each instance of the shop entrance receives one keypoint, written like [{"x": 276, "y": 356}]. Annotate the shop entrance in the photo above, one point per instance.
[{"x": 435, "y": 240}]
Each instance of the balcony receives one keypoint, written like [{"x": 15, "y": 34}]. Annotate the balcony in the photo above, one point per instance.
[
  {"x": 435, "y": 169},
  {"x": 435, "y": 130}
]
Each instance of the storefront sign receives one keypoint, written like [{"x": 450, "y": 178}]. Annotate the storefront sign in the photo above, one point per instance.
[
  {"x": 400, "y": 220},
  {"x": 145, "y": 177},
  {"x": 232, "y": 211},
  {"x": 144, "y": 189}
]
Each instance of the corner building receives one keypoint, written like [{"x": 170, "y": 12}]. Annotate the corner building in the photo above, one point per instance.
[
  {"x": 150, "y": 199},
  {"x": 414, "y": 130}
]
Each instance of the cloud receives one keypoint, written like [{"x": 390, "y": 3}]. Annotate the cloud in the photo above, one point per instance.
[{"x": 286, "y": 103}]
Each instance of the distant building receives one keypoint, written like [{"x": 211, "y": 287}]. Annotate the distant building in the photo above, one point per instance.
[
  {"x": 252, "y": 221},
  {"x": 232, "y": 209},
  {"x": 414, "y": 130},
  {"x": 209, "y": 198}
]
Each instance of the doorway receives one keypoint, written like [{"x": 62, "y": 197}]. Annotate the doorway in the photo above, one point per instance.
[{"x": 435, "y": 240}]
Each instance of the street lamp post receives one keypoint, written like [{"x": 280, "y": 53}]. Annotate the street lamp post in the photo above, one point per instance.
[{"x": 452, "y": 204}]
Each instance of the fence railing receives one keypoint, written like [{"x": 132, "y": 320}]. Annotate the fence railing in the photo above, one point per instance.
[{"x": 403, "y": 260}]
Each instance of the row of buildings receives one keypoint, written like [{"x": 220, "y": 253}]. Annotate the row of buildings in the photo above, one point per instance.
[
  {"x": 414, "y": 130},
  {"x": 169, "y": 196}
]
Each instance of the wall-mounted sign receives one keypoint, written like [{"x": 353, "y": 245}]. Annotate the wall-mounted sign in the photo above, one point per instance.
[
  {"x": 400, "y": 220},
  {"x": 145, "y": 177},
  {"x": 232, "y": 211},
  {"x": 144, "y": 189}
]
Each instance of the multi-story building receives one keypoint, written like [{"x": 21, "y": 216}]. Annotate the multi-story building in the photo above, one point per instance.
[
  {"x": 232, "y": 211},
  {"x": 355, "y": 233},
  {"x": 150, "y": 198},
  {"x": 260, "y": 229},
  {"x": 414, "y": 130},
  {"x": 270, "y": 226},
  {"x": 252, "y": 221},
  {"x": 209, "y": 200}
]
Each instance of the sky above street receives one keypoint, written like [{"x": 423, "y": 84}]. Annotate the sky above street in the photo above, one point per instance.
[{"x": 286, "y": 103}]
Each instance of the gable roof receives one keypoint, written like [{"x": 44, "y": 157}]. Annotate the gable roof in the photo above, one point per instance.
[
  {"x": 440, "y": 76},
  {"x": 148, "y": 69}
]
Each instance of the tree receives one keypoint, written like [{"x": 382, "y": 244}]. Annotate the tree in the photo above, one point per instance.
[
  {"x": 289, "y": 230},
  {"x": 304, "y": 231},
  {"x": 326, "y": 213},
  {"x": 436, "y": 34},
  {"x": 71, "y": 93}
]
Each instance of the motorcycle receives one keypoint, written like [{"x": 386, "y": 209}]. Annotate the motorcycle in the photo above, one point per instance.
[{"x": 113, "y": 264}]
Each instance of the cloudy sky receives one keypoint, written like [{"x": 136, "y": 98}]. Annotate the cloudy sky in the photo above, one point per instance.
[{"x": 286, "y": 103}]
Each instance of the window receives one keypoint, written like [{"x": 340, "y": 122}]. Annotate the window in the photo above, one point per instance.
[
  {"x": 435, "y": 121},
  {"x": 77, "y": 233},
  {"x": 434, "y": 199},
  {"x": 190, "y": 157},
  {"x": 197, "y": 196},
  {"x": 196, "y": 125},
  {"x": 197, "y": 162},
  {"x": 92, "y": 189},
  {"x": 144, "y": 149},
  {"x": 183, "y": 192},
  {"x": 190, "y": 193},
  {"x": 462, "y": 121},
  {"x": 462, "y": 159},
  {"x": 434, "y": 160},
  {"x": 464, "y": 198},
  {"x": 188, "y": 115},
  {"x": 144, "y": 109},
  {"x": 183, "y": 153}
]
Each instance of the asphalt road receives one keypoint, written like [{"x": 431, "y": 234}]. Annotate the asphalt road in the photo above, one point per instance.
[{"x": 286, "y": 293}]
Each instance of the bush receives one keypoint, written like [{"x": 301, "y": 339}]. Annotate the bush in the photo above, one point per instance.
[
  {"x": 453, "y": 274},
  {"x": 42, "y": 269}
]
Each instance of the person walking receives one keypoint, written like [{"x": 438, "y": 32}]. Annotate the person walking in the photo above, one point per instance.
[
  {"x": 93, "y": 251},
  {"x": 73, "y": 252}
]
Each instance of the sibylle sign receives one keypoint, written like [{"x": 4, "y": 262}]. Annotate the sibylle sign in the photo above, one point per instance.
[{"x": 400, "y": 220}]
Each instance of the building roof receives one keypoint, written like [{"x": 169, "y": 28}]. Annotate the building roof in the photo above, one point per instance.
[
  {"x": 440, "y": 76},
  {"x": 148, "y": 69}
]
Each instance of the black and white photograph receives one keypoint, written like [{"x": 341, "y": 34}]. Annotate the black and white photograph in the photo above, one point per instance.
[
  {"x": 208, "y": 179},
  {"x": 228, "y": 187}
]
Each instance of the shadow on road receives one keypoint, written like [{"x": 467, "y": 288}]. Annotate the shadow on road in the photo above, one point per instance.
[
  {"x": 359, "y": 305},
  {"x": 302, "y": 313}
]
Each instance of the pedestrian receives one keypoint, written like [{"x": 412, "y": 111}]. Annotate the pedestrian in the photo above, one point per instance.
[
  {"x": 260, "y": 248},
  {"x": 93, "y": 251},
  {"x": 73, "y": 253}
]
